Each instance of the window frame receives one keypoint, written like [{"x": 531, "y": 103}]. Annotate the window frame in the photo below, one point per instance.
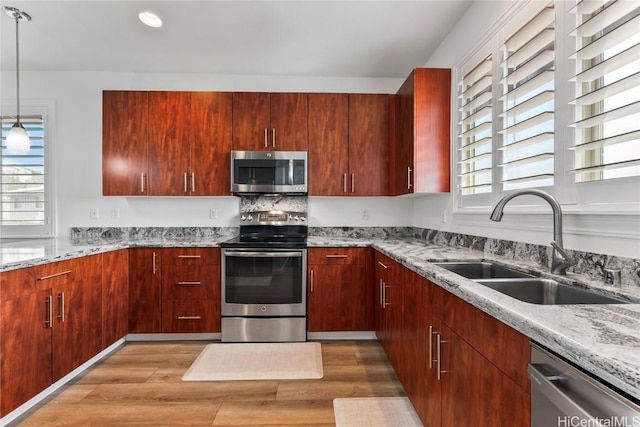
[{"x": 46, "y": 110}]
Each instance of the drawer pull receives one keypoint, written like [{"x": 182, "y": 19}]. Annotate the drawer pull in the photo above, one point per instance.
[
  {"x": 51, "y": 276},
  {"x": 188, "y": 256},
  {"x": 337, "y": 256},
  {"x": 189, "y": 317},
  {"x": 189, "y": 283},
  {"x": 383, "y": 264}
]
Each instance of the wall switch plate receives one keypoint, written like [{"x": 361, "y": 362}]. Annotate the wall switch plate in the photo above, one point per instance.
[
  {"x": 213, "y": 213},
  {"x": 364, "y": 214},
  {"x": 444, "y": 216},
  {"x": 115, "y": 213},
  {"x": 93, "y": 213}
]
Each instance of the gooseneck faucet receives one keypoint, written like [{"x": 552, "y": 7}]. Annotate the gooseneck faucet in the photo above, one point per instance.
[{"x": 560, "y": 260}]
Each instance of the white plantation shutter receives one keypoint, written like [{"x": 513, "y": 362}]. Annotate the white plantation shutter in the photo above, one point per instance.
[
  {"x": 475, "y": 130},
  {"x": 527, "y": 99},
  {"x": 22, "y": 178},
  {"x": 607, "y": 101}
]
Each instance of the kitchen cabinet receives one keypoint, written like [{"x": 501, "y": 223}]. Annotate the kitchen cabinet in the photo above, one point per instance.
[
  {"x": 270, "y": 121},
  {"x": 328, "y": 144},
  {"x": 115, "y": 296},
  {"x": 144, "y": 290},
  {"x": 420, "y": 152},
  {"x": 190, "y": 290},
  {"x": 389, "y": 306},
  {"x": 164, "y": 143},
  {"x": 336, "y": 289},
  {"x": 125, "y": 164},
  {"x": 48, "y": 324},
  {"x": 348, "y": 144}
]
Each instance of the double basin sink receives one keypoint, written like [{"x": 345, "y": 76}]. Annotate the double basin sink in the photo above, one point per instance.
[{"x": 524, "y": 286}]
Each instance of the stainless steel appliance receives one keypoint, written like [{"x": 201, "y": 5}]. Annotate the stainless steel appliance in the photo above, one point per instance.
[
  {"x": 271, "y": 172},
  {"x": 563, "y": 395},
  {"x": 264, "y": 279}
]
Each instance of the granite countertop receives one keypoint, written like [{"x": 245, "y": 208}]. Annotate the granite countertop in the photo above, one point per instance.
[{"x": 603, "y": 339}]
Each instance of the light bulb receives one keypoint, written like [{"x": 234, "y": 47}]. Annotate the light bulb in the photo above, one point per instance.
[{"x": 18, "y": 140}]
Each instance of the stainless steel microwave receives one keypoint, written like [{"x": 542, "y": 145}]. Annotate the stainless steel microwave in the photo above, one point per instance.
[{"x": 269, "y": 172}]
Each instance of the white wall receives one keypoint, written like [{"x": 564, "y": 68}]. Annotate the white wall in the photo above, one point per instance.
[{"x": 77, "y": 97}]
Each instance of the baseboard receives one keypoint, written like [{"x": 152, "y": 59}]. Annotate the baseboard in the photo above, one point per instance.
[
  {"x": 174, "y": 337},
  {"x": 346, "y": 335}
]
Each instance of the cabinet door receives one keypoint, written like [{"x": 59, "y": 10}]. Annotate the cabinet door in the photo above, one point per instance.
[
  {"x": 328, "y": 144},
  {"x": 25, "y": 347},
  {"x": 77, "y": 323},
  {"x": 191, "y": 316},
  {"x": 125, "y": 116},
  {"x": 115, "y": 296},
  {"x": 368, "y": 145},
  {"x": 144, "y": 290},
  {"x": 211, "y": 122},
  {"x": 169, "y": 143},
  {"x": 289, "y": 121},
  {"x": 402, "y": 169},
  {"x": 251, "y": 121}
]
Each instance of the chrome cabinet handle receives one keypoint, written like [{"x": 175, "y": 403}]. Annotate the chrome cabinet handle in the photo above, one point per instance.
[
  {"x": 273, "y": 137},
  {"x": 189, "y": 283},
  {"x": 61, "y": 315},
  {"x": 439, "y": 357},
  {"x": 381, "y": 292},
  {"x": 409, "y": 185},
  {"x": 266, "y": 142},
  {"x": 353, "y": 182},
  {"x": 193, "y": 182},
  {"x": 383, "y": 264},
  {"x": 336, "y": 256},
  {"x": 344, "y": 182},
  {"x": 384, "y": 295},
  {"x": 189, "y": 256},
  {"x": 49, "y": 303},
  {"x": 142, "y": 182},
  {"x": 154, "y": 264},
  {"x": 311, "y": 281},
  {"x": 186, "y": 188},
  {"x": 189, "y": 317},
  {"x": 51, "y": 276},
  {"x": 431, "y": 334}
]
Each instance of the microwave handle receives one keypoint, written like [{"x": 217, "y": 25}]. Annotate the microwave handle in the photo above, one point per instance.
[{"x": 291, "y": 172}]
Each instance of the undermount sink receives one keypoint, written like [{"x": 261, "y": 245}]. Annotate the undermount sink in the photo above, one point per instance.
[
  {"x": 547, "y": 292},
  {"x": 476, "y": 270},
  {"x": 524, "y": 286}
]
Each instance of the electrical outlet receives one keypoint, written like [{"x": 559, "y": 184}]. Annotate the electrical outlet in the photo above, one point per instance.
[
  {"x": 444, "y": 216},
  {"x": 364, "y": 214},
  {"x": 213, "y": 213},
  {"x": 115, "y": 213},
  {"x": 93, "y": 213}
]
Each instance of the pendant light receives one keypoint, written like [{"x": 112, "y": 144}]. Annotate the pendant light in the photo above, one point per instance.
[{"x": 17, "y": 138}]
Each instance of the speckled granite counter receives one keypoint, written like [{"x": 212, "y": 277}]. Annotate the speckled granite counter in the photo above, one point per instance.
[{"x": 603, "y": 339}]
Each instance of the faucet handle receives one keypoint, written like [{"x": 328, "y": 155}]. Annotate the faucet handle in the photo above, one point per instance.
[{"x": 563, "y": 260}]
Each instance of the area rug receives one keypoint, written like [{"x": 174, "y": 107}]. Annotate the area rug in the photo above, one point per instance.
[
  {"x": 257, "y": 361},
  {"x": 375, "y": 412}
]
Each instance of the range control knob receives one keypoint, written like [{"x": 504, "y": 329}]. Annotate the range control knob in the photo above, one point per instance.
[
  {"x": 296, "y": 218},
  {"x": 249, "y": 217},
  {"x": 243, "y": 218},
  {"x": 302, "y": 218}
]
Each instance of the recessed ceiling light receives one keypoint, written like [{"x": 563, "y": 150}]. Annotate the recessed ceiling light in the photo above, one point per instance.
[{"x": 150, "y": 19}]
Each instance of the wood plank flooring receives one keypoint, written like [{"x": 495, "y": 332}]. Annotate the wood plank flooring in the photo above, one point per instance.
[{"x": 140, "y": 385}]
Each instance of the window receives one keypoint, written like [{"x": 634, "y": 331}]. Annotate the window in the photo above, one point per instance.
[
  {"x": 562, "y": 107},
  {"x": 25, "y": 205}
]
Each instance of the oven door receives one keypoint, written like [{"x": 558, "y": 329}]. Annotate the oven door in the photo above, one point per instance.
[{"x": 264, "y": 282}]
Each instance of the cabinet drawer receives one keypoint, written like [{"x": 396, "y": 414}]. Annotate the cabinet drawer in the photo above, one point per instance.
[
  {"x": 336, "y": 256},
  {"x": 190, "y": 256},
  {"x": 190, "y": 282},
  {"x": 56, "y": 273},
  {"x": 190, "y": 316}
]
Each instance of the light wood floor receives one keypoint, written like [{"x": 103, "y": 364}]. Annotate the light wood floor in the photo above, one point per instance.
[{"x": 140, "y": 385}]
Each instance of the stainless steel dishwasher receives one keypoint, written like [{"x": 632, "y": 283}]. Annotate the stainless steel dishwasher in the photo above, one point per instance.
[{"x": 563, "y": 396}]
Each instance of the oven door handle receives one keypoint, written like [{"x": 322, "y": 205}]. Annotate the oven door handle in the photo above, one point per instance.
[{"x": 244, "y": 254}]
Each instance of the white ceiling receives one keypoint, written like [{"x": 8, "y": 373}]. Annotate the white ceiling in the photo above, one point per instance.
[{"x": 305, "y": 38}]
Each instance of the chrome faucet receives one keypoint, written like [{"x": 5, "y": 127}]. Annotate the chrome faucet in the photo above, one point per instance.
[{"x": 560, "y": 260}]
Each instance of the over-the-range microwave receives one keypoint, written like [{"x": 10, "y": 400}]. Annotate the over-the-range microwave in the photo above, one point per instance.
[{"x": 269, "y": 172}]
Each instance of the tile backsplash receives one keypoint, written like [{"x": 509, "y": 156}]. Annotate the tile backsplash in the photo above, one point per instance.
[{"x": 273, "y": 203}]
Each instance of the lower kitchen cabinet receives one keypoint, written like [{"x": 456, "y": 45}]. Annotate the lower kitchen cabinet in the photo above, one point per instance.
[
  {"x": 144, "y": 290},
  {"x": 336, "y": 289},
  {"x": 115, "y": 296},
  {"x": 50, "y": 324},
  {"x": 458, "y": 365},
  {"x": 190, "y": 290}
]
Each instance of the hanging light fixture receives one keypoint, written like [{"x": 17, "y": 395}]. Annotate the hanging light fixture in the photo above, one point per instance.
[{"x": 17, "y": 138}]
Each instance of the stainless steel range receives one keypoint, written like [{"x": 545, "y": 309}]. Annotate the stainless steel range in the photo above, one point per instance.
[{"x": 264, "y": 279}]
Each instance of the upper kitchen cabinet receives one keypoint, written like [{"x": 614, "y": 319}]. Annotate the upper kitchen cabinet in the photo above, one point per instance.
[
  {"x": 125, "y": 119},
  {"x": 166, "y": 143},
  {"x": 348, "y": 144},
  {"x": 270, "y": 121},
  {"x": 368, "y": 145},
  {"x": 421, "y": 124},
  {"x": 328, "y": 144}
]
